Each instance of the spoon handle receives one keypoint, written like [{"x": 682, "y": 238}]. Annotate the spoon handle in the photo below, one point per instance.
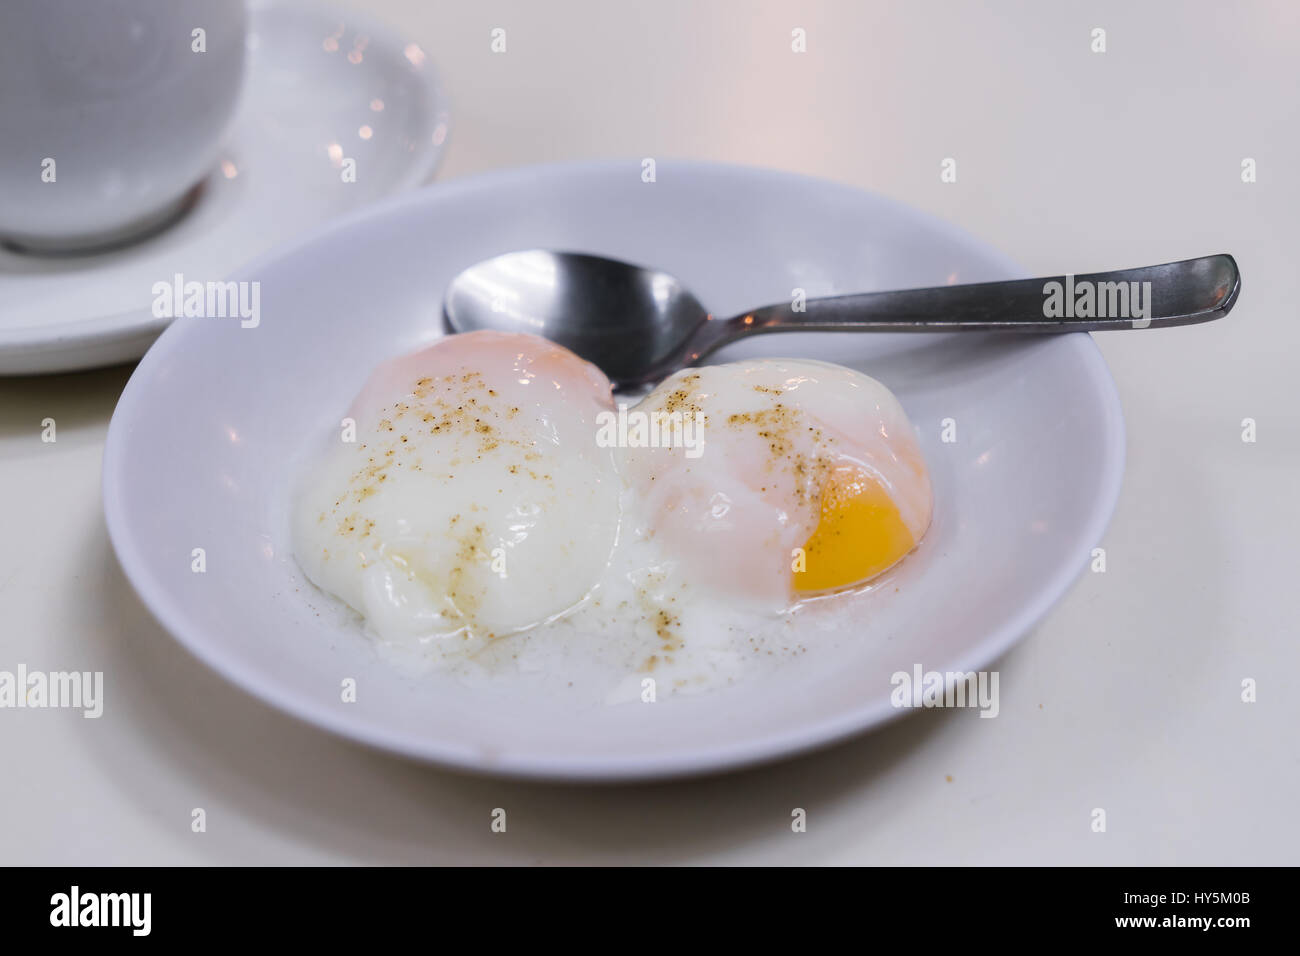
[{"x": 1176, "y": 293}]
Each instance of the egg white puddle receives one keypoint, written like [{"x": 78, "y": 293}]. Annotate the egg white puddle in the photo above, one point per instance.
[{"x": 614, "y": 649}]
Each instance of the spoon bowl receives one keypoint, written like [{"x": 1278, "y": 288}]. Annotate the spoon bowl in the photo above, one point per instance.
[{"x": 627, "y": 320}]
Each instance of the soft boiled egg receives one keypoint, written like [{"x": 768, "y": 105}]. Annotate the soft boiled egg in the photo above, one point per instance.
[
  {"x": 465, "y": 495},
  {"x": 809, "y": 480}
]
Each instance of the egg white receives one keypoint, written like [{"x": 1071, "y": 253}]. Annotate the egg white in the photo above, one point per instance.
[{"x": 473, "y": 501}]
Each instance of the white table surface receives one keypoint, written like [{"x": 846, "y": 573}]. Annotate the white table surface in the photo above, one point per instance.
[{"x": 1127, "y": 698}]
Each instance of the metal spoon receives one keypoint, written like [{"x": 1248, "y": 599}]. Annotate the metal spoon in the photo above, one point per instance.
[{"x": 640, "y": 326}]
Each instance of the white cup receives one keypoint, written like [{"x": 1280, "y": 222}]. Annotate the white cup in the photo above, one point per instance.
[{"x": 111, "y": 113}]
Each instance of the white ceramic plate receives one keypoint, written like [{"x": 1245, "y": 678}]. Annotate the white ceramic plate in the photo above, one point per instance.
[
  {"x": 212, "y": 428},
  {"x": 322, "y": 86}
]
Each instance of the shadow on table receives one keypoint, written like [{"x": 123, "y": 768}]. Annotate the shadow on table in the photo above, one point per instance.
[{"x": 80, "y": 404}]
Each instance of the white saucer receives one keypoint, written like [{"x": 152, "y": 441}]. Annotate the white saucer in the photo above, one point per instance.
[
  {"x": 210, "y": 433},
  {"x": 323, "y": 86}
]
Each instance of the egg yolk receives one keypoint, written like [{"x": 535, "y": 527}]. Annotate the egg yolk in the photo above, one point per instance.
[{"x": 860, "y": 533}]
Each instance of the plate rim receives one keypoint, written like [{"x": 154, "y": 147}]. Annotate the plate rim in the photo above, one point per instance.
[{"x": 605, "y": 769}]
